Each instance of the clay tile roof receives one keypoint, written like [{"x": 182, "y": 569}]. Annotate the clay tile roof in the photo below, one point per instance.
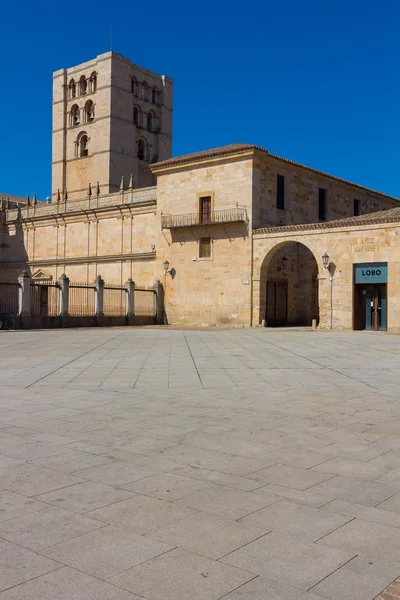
[
  {"x": 204, "y": 155},
  {"x": 232, "y": 149},
  {"x": 391, "y": 215}
]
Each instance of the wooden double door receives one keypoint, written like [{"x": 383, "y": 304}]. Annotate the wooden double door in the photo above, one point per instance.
[{"x": 277, "y": 304}]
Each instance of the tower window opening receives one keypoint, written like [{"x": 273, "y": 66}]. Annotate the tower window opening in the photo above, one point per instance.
[
  {"x": 72, "y": 89},
  {"x": 89, "y": 111},
  {"x": 82, "y": 85},
  {"x": 150, "y": 121},
  {"x": 83, "y": 145},
  {"x": 75, "y": 118},
  {"x": 141, "y": 150},
  {"x": 134, "y": 87},
  {"x": 136, "y": 116},
  {"x": 93, "y": 82},
  {"x": 154, "y": 94}
]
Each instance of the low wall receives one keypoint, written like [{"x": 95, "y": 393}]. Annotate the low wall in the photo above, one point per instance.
[{"x": 71, "y": 322}]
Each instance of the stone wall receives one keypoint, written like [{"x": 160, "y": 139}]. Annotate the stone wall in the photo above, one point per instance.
[
  {"x": 301, "y": 194},
  {"x": 213, "y": 290},
  {"x": 345, "y": 246},
  {"x": 112, "y": 236}
]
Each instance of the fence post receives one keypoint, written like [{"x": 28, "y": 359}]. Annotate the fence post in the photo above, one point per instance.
[
  {"x": 99, "y": 296},
  {"x": 159, "y": 318},
  {"x": 24, "y": 295},
  {"x": 130, "y": 298},
  {"x": 64, "y": 295}
]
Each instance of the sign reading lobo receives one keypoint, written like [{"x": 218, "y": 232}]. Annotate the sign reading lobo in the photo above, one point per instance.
[{"x": 370, "y": 273}]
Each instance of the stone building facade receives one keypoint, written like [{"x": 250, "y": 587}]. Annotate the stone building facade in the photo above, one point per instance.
[{"x": 236, "y": 235}]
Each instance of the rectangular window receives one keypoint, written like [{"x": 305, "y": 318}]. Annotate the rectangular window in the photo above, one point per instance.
[
  {"x": 205, "y": 248},
  {"x": 356, "y": 208},
  {"x": 205, "y": 209},
  {"x": 322, "y": 204},
  {"x": 280, "y": 192}
]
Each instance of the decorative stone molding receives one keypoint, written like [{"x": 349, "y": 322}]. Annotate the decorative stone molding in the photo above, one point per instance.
[{"x": 369, "y": 244}]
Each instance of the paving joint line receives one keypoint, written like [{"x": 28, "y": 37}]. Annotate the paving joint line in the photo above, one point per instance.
[{"x": 71, "y": 361}]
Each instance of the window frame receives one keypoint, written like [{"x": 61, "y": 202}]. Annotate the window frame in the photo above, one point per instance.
[
  {"x": 199, "y": 196},
  {"x": 83, "y": 83},
  {"x": 202, "y": 246},
  {"x": 72, "y": 116},
  {"x": 205, "y": 216},
  {"x": 93, "y": 82},
  {"x": 89, "y": 103},
  {"x": 145, "y": 143},
  {"x": 78, "y": 145},
  {"x": 322, "y": 204},
  {"x": 72, "y": 89},
  {"x": 280, "y": 191},
  {"x": 356, "y": 207}
]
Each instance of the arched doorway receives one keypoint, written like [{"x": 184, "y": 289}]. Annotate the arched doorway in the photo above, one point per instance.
[{"x": 289, "y": 286}]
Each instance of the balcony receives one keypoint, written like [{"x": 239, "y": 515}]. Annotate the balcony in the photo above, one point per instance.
[{"x": 215, "y": 217}]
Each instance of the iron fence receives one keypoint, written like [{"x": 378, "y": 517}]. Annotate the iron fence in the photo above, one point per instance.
[
  {"x": 45, "y": 299},
  {"x": 145, "y": 302},
  {"x": 81, "y": 300},
  {"x": 114, "y": 301},
  {"x": 9, "y": 291}
]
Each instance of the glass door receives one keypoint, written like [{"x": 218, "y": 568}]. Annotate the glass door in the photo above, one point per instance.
[
  {"x": 369, "y": 307},
  {"x": 381, "y": 308},
  {"x": 375, "y": 307}
]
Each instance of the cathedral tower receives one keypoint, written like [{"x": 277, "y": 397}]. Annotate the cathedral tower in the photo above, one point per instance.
[{"x": 111, "y": 119}]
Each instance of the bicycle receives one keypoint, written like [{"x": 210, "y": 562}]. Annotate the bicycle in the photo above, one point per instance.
[{"x": 7, "y": 321}]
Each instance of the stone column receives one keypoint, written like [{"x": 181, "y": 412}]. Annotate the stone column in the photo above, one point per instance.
[
  {"x": 99, "y": 296},
  {"x": 24, "y": 295},
  {"x": 64, "y": 295},
  {"x": 130, "y": 298},
  {"x": 159, "y": 309}
]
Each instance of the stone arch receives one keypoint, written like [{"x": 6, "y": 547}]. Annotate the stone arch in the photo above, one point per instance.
[{"x": 289, "y": 290}]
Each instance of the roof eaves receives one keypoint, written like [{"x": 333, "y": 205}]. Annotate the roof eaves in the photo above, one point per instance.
[
  {"x": 209, "y": 155},
  {"x": 336, "y": 224}
]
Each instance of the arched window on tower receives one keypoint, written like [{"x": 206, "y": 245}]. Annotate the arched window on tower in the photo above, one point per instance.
[
  {"x": 144, "y": 91},
  {"x": 72, "y": 89},
  {"x": 154, "y": 95},
  {"x": 134, "y": 86},
  {"x": 93, "y": 82},
  {"x": 137, "y": 116},
  {"x": 151, "y": 121},
  {"x": 82, "y": 145},
  {"x": 142, "y": 150},
  {"x": 75, "y": 118},
  {"x": 89, "y": 111},
  {"x": 82, "y": 85}
]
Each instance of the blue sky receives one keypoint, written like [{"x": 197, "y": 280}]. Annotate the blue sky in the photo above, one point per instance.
[{"x": 316, "y": 82}]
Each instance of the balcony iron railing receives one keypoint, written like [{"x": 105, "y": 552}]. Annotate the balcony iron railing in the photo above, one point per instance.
[{"x": 228, "y": 215}]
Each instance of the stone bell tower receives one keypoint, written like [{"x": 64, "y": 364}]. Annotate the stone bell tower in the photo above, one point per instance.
[{"x": 111, "y": 120}]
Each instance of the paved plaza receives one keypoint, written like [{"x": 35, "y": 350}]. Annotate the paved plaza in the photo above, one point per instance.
[{"x": 166, "y": 464}]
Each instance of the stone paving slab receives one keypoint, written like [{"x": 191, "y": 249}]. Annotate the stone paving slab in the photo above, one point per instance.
[{"x": 157, "y": 464}]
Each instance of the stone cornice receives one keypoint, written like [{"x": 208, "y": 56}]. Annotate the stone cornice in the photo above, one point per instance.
[{"x": 133, "y": 256}]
